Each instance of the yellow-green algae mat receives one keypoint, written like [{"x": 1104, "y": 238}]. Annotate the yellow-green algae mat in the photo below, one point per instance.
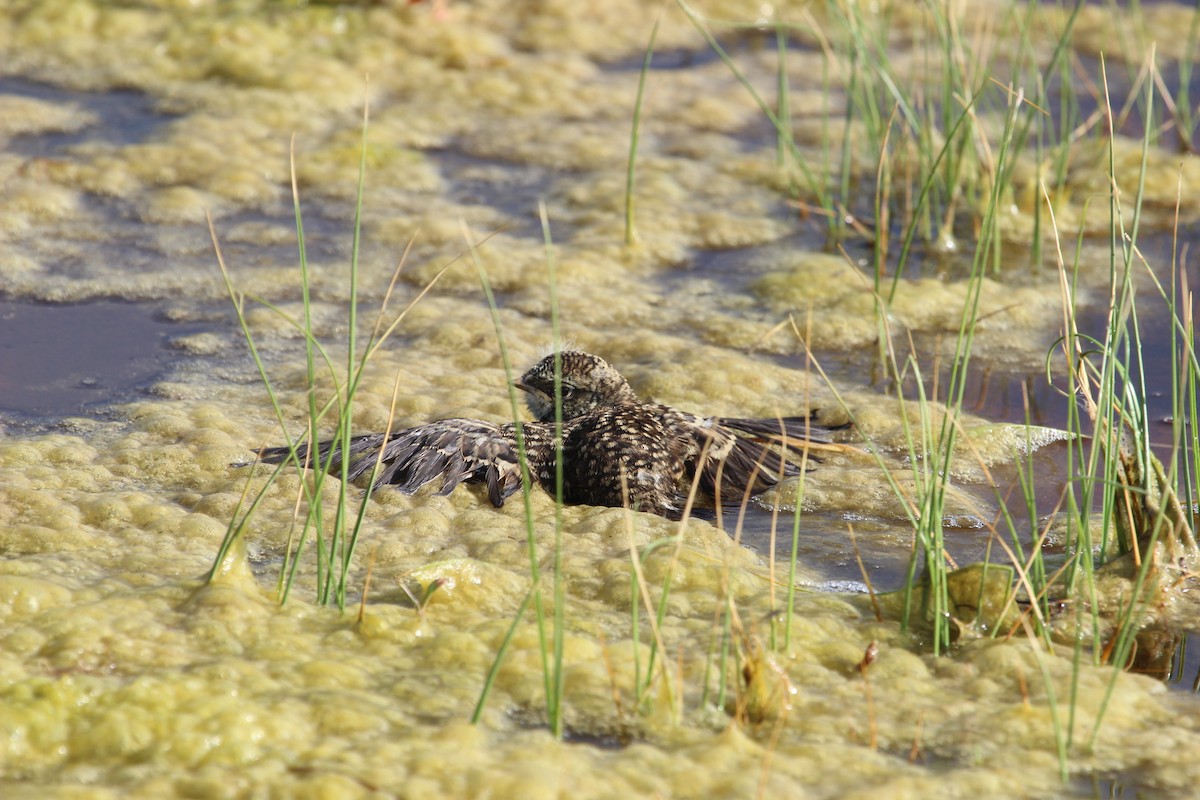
[{"x": 122, "y": 675}]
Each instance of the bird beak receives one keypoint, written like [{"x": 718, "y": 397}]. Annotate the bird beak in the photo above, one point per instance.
[{"x": 535, "y": 395}]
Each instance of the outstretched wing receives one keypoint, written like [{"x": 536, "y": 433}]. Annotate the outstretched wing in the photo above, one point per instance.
[{"x": 454, "y": 450}]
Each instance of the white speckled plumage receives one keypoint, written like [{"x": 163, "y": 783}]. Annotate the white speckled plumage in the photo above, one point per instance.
[{"x": 617, "y": 450}]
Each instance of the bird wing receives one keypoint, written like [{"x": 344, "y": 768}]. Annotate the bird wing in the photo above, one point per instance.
[
  {"x": 454, "y": 450},
  {"x": 737, "y": 454}
]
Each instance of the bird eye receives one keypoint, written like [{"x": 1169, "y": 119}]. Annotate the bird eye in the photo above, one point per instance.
[{"x": 567, "y": 391}]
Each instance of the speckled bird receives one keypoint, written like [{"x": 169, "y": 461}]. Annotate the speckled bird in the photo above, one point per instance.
[{"x": 616, "y": 449}]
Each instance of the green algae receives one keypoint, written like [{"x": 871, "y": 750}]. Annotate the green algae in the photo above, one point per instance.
[{"x": 122, "y": 675}]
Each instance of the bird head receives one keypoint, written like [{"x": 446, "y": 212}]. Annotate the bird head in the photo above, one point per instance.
[{"x": 588, "y": 382}]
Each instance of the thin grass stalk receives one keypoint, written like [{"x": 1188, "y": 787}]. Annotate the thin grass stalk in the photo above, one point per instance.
[
  {"x": 1184, "y": 368},
  {"x": 1081, "y": 462},
  {"x": 555, "y": 701},
  {"x": 846, "y": 167},
  {"x": 815, "y": 186},
  {"x": 634, "y": 133},
  {"x": 883, "y": 188},
  {"x": 344, "y": 539},
  {"x": 490, "y": 680},
  {"x": 793, "y": 559},
  {"x": 238, "y": 300},
  {"x": 635, "y": 630},
  {"x": 361, "y": 516},
  {"x": 659, "y": 616},
  {"x": 316, "y": 520},
  {"x": 715, "y": 642},
  {"x": 772, "y": 550},
  {"x": 943, "y": 447},
  {"x": 928, "y": 187},
  {"x": 236, "y": 526},
  {"x": 523, "y": 460},
  {"x": 1133, "y": 378},
  {"x": 923, "y": 454},
  {"x": 639, "y": 574},
  {"x": 726, "y": 644},
  {"x": 1037, "y": 568},
  {"x": 1185, "y": 112},
  {"x": 794, "y": 552},
  {"x": 1186, "y": 416},
  {"x": 783, "y": 134},
  {"x": 1080, "y": 457},
  {"x": 1120, "y": 288}
]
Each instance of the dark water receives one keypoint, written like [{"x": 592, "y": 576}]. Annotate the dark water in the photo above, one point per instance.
[
  {"x": 61, "y": 360},
  {"x": 122, "y": 117}
]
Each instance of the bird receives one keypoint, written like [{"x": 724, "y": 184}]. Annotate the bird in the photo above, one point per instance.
[{"x": 616, "y": 449}]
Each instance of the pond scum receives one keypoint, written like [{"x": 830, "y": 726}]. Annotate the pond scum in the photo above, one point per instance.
[
  {"x": 787, "y": 199},
  {"x": 908, "y": 172}
]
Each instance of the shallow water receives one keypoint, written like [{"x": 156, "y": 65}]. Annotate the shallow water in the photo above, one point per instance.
[
  {"x": 66, "y": 360},
  {"x": 123, "y": 675}
]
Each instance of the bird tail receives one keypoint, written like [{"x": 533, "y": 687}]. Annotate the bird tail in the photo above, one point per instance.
[
  {"x": 763, "y": 451},
  {"x": 798, "y": 434}
]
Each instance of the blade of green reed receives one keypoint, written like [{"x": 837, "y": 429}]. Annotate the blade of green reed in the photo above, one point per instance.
[
  {"x": 928, "y": 188},
  {"x": 560, "y": 600},
  {"x": 1132, "y": 409},
  {"x": 236, "y": 525},
  {"x": 523, "y": 460},
  {"x": 817, "y": 187},
  {"x": 344, "y": 541},
  {"x": 659, "y": 615},
  {"x": 794, "y": 552},
  {"x": 637, "y": 564},
  {"x": 314, "y": 502},
  {"x": 783, "y": 105},
  {"x": 630, "y": 233},
  {"x": 501, "y": 651},
  {"x": 1184, "y": 107}
]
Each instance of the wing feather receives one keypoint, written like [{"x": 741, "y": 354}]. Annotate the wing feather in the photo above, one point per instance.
[{"x": 452, "y": 450}]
